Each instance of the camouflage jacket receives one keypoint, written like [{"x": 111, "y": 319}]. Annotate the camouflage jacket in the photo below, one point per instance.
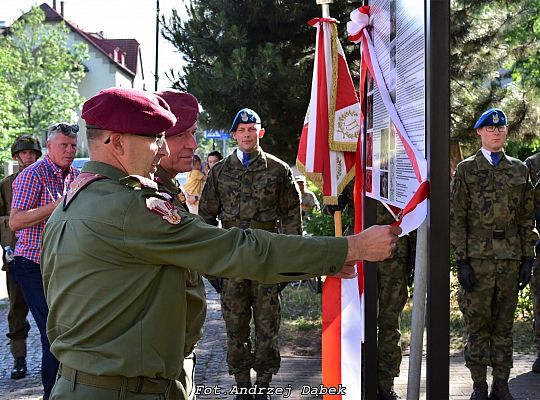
[
  {"x": 485, "y": 199},
  {"x": 533, "y": 163},
  {"x": 265, "y": 191}
]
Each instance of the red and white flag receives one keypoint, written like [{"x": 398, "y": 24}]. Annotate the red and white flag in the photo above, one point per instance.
[
  {"x": 331, "y": 126},
  {"x": 326, "y": 155}
]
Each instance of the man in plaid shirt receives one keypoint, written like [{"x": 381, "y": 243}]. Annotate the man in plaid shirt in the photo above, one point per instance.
[{"x": 36, "y": 192}]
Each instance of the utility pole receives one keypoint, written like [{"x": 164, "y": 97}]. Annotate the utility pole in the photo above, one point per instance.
[{"x": 156, "y": 74}]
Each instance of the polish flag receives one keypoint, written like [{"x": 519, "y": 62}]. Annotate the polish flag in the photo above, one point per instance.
[{"x": 326, "y": 155}]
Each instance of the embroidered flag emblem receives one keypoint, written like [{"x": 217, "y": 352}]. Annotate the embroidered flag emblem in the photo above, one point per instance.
[{"x": 164, "y": 209}]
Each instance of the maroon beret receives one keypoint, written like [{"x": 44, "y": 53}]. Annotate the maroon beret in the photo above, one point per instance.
[
  {"x": 184, "y": 106},
  {"x": 128, "y": 111}
]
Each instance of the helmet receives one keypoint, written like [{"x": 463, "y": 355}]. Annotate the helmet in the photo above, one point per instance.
[{"x": 26, "y": 142}]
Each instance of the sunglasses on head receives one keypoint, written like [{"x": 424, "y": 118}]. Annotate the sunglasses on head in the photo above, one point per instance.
[{"x": 66, "y": 128}]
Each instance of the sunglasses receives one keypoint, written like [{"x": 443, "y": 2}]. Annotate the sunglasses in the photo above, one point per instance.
[
  {"x": 159, "y": 138},
  {"x": 66, "y": 128},
  {"x": 500, "y": 128}
]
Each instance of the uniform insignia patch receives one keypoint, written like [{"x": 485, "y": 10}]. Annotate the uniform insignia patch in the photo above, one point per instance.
[
  {"x": 495, "y": 118},
  {"x": 164, "y": 209},
  {"x": 244, "y": 117}
]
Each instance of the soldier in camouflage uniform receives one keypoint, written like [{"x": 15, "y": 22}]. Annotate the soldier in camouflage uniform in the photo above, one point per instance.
[
  {"x": 251, "y": 189},
  {"x": 393, "y": 275},
  {"x": 533, "y": 163},
  {"x": 25, "y": 150},
  {"x": 493, "y": 236},
  {"x": 182, "y": 146}
]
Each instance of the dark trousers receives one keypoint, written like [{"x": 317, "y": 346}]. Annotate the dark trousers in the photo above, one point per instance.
[
  {"x": 28, "y": 275},
  {"x": 17, "y": 322}
]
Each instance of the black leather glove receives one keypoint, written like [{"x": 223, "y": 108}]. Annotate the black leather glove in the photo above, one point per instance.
[
  {"x": 525, "y": 271},
  {"x": 465, "y": 275},
  {"x": 217, "y": 283}
]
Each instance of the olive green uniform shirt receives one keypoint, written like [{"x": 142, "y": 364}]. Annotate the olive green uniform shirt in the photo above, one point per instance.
[
  {"x": 195, "y": 291},
  {"x": 485, "y": 198},
  {"x": 114, "y": 274},
  {"x": 7, "y": 236}
]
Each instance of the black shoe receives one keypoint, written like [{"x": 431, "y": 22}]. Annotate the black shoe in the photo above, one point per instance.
[
  {"x": 480, "y": 391},
  {"x": 387, "y": 395},
  {"x": 19, "y": 368},
  {"x": 240, "y": 388},
  {"x": 536, "y": 366},
  {"x": 261, "y": 391},
  {"x": 500, "y": 390}
]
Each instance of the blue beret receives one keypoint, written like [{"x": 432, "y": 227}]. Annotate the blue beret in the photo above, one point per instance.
[
  {"x": 492, "y": 117},
  {"x": 128, "y": 111},
  {"x": 245, "y": 116}
]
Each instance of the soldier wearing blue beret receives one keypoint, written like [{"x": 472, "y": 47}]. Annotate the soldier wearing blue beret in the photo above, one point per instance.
[
  {"x": 492, "y": 233},
  {"x": 251, "y": 189}
]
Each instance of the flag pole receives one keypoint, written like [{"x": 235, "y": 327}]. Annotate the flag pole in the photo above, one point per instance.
[
  {"x": 338, "y": 228},
  {"x": 325, "y": 5}
]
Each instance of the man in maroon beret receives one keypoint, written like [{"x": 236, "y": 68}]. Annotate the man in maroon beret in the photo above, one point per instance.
[
  {"x": 182, "y": 146},
  {"x": 116, "y": 252}
]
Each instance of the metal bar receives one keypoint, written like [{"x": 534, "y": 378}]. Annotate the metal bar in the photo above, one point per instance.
[
  {"x": 371, "y": 296},
  {"x": 437, "y": 26},
  {"x": 156, "y": 73}
]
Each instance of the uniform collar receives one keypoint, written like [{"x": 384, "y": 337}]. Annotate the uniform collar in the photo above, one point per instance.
[
  {"x": 258, "y": 163},
  {"x": 484, "y": 162},
  {"x": 107, "y": 170},
  {"x": 162, "y": 178}
]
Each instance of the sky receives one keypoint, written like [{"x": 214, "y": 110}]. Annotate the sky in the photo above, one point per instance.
[{"x": 118, "y": 19}]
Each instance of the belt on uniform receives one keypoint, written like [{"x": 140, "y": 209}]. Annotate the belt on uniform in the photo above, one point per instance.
[
  {"x": 507, "y": 232},
  {"x": 265, "y": 225},
  {"x": 139, "y": 384}
]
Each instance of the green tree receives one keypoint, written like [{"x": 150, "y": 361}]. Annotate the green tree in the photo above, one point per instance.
[
  {"x": 492, "y": 44},
  {"x": 257, "y": 54},
  {"x": 39, "y": 77}
]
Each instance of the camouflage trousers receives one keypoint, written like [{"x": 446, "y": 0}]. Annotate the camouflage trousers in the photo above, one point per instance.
[
  {"x": 240, "y": 299},
  {"x": 393, "y": 293},
  {"x": 535, "y": 290},
  {"x": 488, "y": 312}
]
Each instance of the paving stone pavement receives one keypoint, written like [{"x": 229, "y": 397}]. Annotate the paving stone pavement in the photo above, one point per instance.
[{"x": 212, "y": 376}]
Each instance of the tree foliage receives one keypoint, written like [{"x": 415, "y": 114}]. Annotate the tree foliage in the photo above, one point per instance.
[
  {"x": 39, "y": 77},
  {"x": 494, "y": 55},
  {"x": 252, "y": 53}
]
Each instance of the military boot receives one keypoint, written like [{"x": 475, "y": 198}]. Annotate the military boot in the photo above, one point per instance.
[
  {"x": 19, "y": 368},
  {"x": 480, "y": 391},
  {"x": 261, "y": 391},
  {"x": 241, "y": 387},
  {"x": 500, "y": 390},
  {"x": 387, "y": 395},
  {"x": 536, "y": 365}
]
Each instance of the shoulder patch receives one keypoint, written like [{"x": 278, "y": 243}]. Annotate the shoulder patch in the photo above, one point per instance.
[
  {"x": 164, "y": 209},
  {"x": 138, "y": 182}
]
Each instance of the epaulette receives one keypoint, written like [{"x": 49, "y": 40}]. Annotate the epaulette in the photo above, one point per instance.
[
  {"x": 138, "y": 182},
  {"x": 83, "y": 180}
]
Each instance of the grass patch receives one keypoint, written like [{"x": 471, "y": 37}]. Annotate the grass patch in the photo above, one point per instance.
[{"x": 301, "y": 322}]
